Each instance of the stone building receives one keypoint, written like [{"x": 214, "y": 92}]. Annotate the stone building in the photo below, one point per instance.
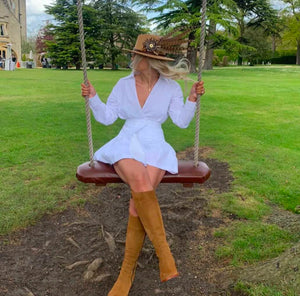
[{"x": 12, "y": 27}]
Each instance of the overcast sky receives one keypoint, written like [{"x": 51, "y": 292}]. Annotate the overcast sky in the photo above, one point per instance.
[{"x": 36, "y": 16}]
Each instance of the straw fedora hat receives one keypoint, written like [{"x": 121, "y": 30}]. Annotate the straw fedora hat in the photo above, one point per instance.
[{"x": 150, "y": 46}]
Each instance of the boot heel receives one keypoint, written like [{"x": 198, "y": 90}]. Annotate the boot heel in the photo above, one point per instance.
[{"x": 170, "y": 277}]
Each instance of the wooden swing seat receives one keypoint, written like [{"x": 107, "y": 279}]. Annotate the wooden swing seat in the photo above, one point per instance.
[{"x": 103, "y": 173}]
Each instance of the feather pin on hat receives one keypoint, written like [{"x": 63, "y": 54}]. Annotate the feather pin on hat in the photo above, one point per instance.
[{"x": 157, "y": 47}]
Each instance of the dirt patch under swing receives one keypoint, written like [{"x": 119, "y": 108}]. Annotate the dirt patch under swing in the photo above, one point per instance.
[{"x": 53, "y": 257}]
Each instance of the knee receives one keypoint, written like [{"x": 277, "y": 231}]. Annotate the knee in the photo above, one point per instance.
[{"x": 140, "y": 182}]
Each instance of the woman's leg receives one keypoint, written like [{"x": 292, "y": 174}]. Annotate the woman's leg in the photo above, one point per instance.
[
  {"x": 131, "y": 166},
  {"x": 134, "y": 239},
  {"x": 134, "y": 173},
  {"x": 142, "y": 182},
  {"x": 148, "y": 209},
  {"x": 135, "y": 236}
]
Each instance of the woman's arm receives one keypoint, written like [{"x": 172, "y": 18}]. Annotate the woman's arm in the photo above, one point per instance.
[
  {"x": 182, "y": 113},
  {"x": 103, "y": 113}
]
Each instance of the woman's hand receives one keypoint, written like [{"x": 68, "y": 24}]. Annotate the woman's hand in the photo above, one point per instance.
[
  {"x": 88, "y": 90},
  {"x": 197, "y": 89}
]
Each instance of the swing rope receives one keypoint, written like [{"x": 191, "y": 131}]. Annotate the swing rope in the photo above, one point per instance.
[
  {"x": 201, "y": 56},
  {"x": 84, "y": 65},
  {"x": 85, "y": 79}
]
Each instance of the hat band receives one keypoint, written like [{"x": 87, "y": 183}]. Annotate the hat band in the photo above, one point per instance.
[{"x": 154, "y": 53}]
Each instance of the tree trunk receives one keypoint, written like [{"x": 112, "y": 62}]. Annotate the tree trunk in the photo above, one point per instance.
[
  {"x": 298, "y": 53},
  {"x": 192, "y": 57},
  {"x": 273, "y": 44},
  {"x": 113, "y": 62},
  {"x": 240, "y": 60},
  {"x": 112, "y": 52},
  {"x": 241, "y": 23},
  {"x": 209, "y": 55},
  {"x": 192, "y": 53}
]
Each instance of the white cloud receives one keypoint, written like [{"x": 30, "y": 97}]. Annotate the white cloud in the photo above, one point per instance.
[
  {"x": 37, "y": 7},
  {"x": 36, "y": 16},
  {"x": 278, "y": 4}
]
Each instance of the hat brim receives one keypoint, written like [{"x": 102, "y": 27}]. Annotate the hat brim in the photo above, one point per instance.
[{"x": 152, "y": 56}]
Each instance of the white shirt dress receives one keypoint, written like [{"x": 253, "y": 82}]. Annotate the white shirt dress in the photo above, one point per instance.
[{"x": 141, "y": 137}]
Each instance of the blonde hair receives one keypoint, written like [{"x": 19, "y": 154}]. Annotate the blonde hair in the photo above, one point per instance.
[{"x": 180, "y": 70}]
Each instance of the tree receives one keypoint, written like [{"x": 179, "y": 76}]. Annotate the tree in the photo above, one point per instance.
[
  {"x": 180, "y": 13},
  {"x": 108, "y": 25},
  {"x": 64, "y": 48},
  {"x": 258, "y": 40},
  {"x": 119, "y": 27},
  {"x": 176, "y": 15},
  {"x": 219, "y": 13},
  {"x": 292, "y": 21},
  {"x": 42, "y": 38},
  {"x": 252, "y": 13},
  {"x": 28, "y": 45}
]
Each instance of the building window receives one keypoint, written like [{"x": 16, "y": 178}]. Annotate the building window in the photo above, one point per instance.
[
  {"x": 3, "y": 53},
  {"x": 3, "y": 31}
]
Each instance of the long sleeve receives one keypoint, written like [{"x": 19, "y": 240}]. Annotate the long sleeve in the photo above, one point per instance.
[
  {"x": 105, "y": 113},
  {"x": 181, "y": 113}
]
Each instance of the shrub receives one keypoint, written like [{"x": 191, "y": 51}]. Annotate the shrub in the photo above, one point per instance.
[
  {"x": 284, "y": 57},
  {"x": 291, "y": 60},
  {"x": 216, "y": 61}
]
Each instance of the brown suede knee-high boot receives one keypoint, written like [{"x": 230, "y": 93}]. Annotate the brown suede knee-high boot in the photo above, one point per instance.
[
  {"x": 149, "y": 213},
  {"x": 134, "y": 242}
]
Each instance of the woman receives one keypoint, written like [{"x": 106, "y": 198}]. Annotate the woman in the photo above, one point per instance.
[{"x": 140, "y": 154}]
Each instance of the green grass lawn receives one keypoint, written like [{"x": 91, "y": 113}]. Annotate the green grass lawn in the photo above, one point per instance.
[{"x": 250, "y": 117}]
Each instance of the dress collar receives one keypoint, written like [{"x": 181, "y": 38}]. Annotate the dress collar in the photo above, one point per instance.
[{"x": 132, "y": 76}]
